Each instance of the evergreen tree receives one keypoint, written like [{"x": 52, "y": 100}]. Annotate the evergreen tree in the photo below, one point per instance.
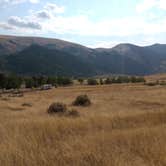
[
  {"x": 92, "y": 81},
  {"x": 29, "y": 82},
  {"x": 81, "y": 80},
  {"x": 101, "y": 81},
  {"x": 108, "y": 81}
]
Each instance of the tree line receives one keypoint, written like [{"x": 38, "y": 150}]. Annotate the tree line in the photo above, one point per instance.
[
  {"x": 15, "y": 82},
  {"x": 115, "y": 80}
]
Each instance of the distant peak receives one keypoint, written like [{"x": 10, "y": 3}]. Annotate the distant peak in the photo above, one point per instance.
[
  {"x": 156, "y": 44},
  {"x": 127, "y": 45},
  {"x": 123, "y": 47}
]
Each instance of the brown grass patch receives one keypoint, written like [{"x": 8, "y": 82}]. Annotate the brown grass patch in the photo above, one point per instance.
[
  {"x": 147, "y": 104},
  {"x": 116, "y": 130},
  {"x": 15, "y": 108}
]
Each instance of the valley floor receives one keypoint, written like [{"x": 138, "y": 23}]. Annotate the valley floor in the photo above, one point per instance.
[{"x": 124, "y": 126}]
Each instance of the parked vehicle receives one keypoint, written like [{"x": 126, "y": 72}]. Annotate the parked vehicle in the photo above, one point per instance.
[{"x": 46, "y": 87}]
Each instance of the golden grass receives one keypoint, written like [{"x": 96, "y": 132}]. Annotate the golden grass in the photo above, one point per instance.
[
  {"x": 156, "y": 77},
  {"x": 125, "y": 126}
]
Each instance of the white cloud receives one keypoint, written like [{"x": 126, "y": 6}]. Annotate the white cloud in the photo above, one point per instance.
[
  {"x": 54, "y": 23},
  {"x": 82, "y": 25},
  {"x": 146, "y": 5},
  {"x": 33, "y": 21},
  {"x": 162, "y": 4},
  {"x": 11, "y": 1},
  {"x": 34, "y": 1},
  {"x": 6, "y": 26},
  {"x": 52, "y": 7},
  {"x": 15, "y": 2},
  {"x": 43, "y": 14},
  {"x": 49, "y": 11},
  {"x": 21, "y": 23}
]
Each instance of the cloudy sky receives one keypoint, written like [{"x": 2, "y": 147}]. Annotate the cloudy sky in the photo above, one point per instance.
[{"x": 94, "y": 23}]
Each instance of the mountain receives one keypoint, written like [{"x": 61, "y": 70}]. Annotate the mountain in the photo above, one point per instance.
[
  {"x": 41, "y": 60},
  {"x": 137, "y": 60},
  {"x": 35, "y": 55},
  {"x": 13, "y": 44}
]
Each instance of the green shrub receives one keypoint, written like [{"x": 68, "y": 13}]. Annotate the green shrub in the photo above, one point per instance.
[
  {"x": 92, "y": 81},
  {"x": 108, "y": 81},
  {"x": 64, "y": 81},
  {"x": 141, "y": 79},
  {"x": 151, "y": 83},
  {"x": 133, "y": 79},
  {"x": 82, "y": 100},
  {"x": 29, "y": 82},
  {"x": 101, "y": 81},
  {"x": 162, "y": 83},
  {"x": 81, "y": 80}
]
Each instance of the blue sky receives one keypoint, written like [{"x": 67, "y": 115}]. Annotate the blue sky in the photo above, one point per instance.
[{"x": 93, "y": 23}]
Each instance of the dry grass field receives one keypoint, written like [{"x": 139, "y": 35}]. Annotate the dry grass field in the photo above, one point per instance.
[{"x": 125, "y": 126}]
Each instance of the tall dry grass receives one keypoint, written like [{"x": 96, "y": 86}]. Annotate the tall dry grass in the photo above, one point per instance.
[{"x": 125, "y": 126}]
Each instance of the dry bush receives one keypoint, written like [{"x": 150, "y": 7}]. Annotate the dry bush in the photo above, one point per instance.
[
  {"x": 82, "y": 100},
  {"x": 57, "y": 108},
  {"x": 61, "y": 109},
  {"x": 27, "y": 104}
]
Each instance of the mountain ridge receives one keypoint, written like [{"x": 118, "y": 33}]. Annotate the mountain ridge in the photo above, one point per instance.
[{"x": 124, "y": 58}]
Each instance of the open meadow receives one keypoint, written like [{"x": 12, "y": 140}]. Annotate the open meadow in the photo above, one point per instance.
[{"x": 124, "y": 126}]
